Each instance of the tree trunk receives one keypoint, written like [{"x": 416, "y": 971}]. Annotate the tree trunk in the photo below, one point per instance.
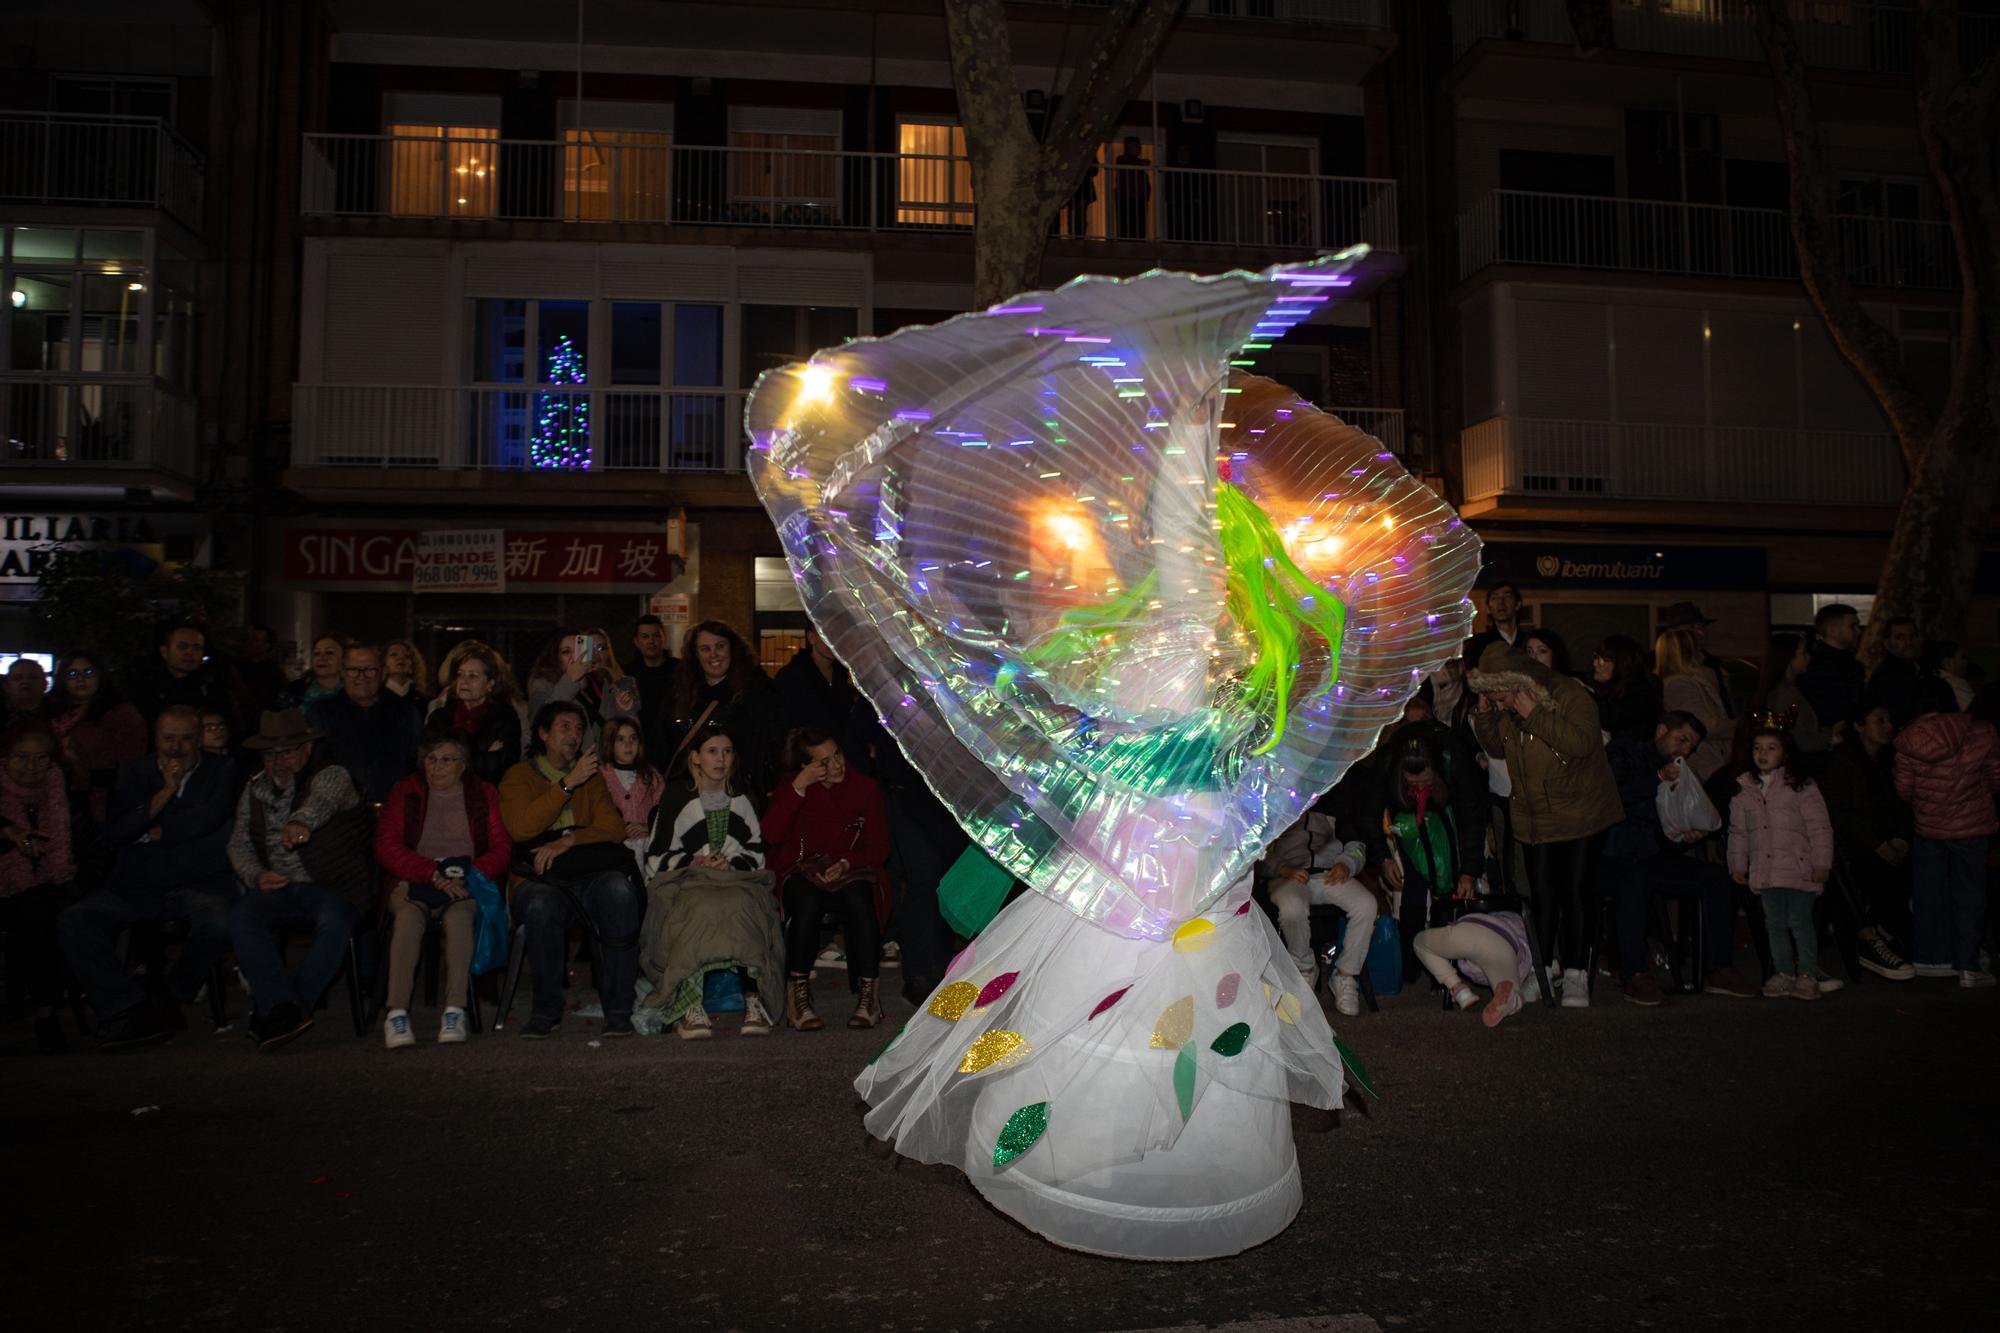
[
  {"x": 1008, "y": 240},
  {"x": 1941, "y": 527}
]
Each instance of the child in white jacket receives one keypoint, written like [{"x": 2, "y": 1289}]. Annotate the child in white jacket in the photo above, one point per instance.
[
  {"x": 1781, "y": 846},
  {"x": 1311, "y": 867}
]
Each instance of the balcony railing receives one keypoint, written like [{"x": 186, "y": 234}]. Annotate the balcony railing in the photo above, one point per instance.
[
  {"x": 354, "y": 175},
  {"x": 1701, "y": 240},
  {"x": 1833, "y": 34},
  {"x": 1320, "y": 13},
  {"x": 1384, "y": 423},
  {"x": 131, "y": 160},
  {"x": 523, "y": 429},
  {"x": 95, "y": 422},
  {"x": 1550, "y": 459}
]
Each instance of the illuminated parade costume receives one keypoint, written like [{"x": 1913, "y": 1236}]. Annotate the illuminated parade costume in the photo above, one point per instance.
[{"x": 1129, "y": 609}]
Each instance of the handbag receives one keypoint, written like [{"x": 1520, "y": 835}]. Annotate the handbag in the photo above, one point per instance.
[
  {"x": 575, "y": 865},
  {"x": 339, "y": 856}
]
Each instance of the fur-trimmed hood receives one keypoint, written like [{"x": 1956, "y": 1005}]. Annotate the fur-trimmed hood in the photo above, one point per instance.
[{"x": 1504, "y": 668}]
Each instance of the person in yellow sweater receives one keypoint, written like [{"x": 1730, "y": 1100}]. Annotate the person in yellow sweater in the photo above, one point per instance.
[{"x": 572, "y": 869}]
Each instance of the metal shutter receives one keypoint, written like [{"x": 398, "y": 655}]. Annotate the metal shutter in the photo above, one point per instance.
[{"x": 385, "y": 319}]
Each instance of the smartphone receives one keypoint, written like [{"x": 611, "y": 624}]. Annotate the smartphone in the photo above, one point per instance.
[{"x": 586, "y": 648}]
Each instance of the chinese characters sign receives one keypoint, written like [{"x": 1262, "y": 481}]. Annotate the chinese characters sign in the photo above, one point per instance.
[{"x": 519, "y": 560}]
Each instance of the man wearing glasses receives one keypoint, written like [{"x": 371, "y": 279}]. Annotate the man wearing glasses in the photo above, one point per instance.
[
  {"x": 374, "y": 739},
  {"x": 167, "y": 824}
]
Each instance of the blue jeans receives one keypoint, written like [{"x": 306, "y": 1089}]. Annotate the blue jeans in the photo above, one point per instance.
[
  {"x": 257, "y": 926},
  {"x": 1633, "y": 884},
  {"x": 89, "y": 930},
  {"x": 1947, "y": 901},
  {"x": 1788, "y": 920},
  {"x": 607, "y": 905}
]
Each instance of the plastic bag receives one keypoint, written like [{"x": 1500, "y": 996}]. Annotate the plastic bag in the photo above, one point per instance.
[
  {"x": 1385, "y": 957},
  {"x": 1683, "y": 806},
  {"x": 489, "y": 924},
  {"x": 721, "y": 992}
]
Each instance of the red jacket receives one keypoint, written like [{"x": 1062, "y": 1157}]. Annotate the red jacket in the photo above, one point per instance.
[
  {"x": 823, "y": 820},
  {"x": 1948, "y": 769},
  {"x": 402, "y": 822}
]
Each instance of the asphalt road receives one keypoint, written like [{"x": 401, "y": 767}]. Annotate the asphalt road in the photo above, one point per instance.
[{"x": 1713, "y": 1164}]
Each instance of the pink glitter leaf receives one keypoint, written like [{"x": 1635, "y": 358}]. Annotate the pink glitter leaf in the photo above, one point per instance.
[
  {"x": 1108, "y": 1001},
  {"x": 1225, "y": 990},
  {"x": 995, "y": 989}
]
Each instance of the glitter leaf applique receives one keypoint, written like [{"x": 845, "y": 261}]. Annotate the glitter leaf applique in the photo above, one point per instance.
[
  {"x": 1286, "y": 1004},
  {"x": 996, "y": 1047},
  {"x": 1231, "y": 1040},
  {"x": 1195, "y": 936},
  {"x": 1355, "y": 1069},
  {"x": 1174, "y": 1026},
  {"x": 1184, "y": 1080},
  {"x": 1225, "y": 990},
  {"x": 1108, "y": 1001},
  {"x": 995, "y": 989},
  {"x": 951, "y": 1003},
  {"x": 1021, "y": 1132},
  {"x": 1244, "y": 910}
]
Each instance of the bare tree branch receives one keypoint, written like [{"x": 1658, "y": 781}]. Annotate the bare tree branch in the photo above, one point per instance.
[
  {"x": 982, "y": 72},
  {"x": 1955, "y": 116},
  {"x": 1871, "y": 349},
  {"x": 1128, "y": 42}
]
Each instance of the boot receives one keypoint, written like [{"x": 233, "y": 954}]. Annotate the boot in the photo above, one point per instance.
[
  {"x": 799, "y": 1005},
  {"x": 868, "y": 1004}
]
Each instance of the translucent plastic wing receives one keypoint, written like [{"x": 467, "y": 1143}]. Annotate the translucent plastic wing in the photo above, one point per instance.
[{"x": 1128, "y": 608}]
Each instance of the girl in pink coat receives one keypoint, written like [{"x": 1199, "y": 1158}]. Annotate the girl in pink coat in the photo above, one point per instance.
[{"x": 1781, "y": 845}]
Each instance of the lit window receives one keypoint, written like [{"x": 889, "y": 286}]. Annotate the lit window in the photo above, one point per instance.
[
  {"x": 442, "y": 170},
  {"x": 616, "y": 175},
  {"x": 783, "y": 177},
  {"x": 933, "y": 176}
]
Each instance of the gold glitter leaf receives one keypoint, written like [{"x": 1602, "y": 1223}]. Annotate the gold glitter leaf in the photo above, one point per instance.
[
  {"x": 951, "y": 1003},
  {"x": 1174, "y": 1025},
  {"x": 996, "y": 1047},
  {"x": 1195, "y": 936}
]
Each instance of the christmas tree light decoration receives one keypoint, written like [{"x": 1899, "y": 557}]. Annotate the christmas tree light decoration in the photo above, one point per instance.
[{"x": 562, "y": 420}]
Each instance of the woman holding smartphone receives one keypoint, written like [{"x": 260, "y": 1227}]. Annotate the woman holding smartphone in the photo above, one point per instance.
[{"x": 579, "y": 667}]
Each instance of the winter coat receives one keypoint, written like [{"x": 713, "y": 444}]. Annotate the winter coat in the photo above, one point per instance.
[
  {"x": 95, "y": 748},
  {"x": 1948, "y": 769},
  {"x": 401, "y": 827},
  {"x": 1833, "y": 683},
  {"x": 1861, "y": 797},
  {"x": 1695, "y": 692},
  {"x": 44, "y": 809},
  {"x": 1563, "y": 788},
  {"x": 377, "y": 745},
  {"x": 824, "y": 822},
  {"x": 492, "y": 733},
  {"x": 1779, "y": 835}
]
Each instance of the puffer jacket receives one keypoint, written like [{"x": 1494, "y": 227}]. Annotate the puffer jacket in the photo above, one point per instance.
[
  {"x": 1563, "y": 787},
  {"x": 1779, "y": 835},
  {"x": 1948, "y": 769}
]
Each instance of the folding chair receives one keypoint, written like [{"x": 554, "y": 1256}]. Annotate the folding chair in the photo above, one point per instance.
[
  {"x": 430, "y": 968},
  {"x": 1328, "y": 926}
]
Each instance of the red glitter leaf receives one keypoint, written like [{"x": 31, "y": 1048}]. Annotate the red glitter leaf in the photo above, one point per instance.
[
  {"x": 343, "y": 1194},
  {"x": 321, "y": 1180},
  {"x": 995, "y": 989},
  {"x": 1108, "y": 1001},
  {"x": 1241, "y": 910}
]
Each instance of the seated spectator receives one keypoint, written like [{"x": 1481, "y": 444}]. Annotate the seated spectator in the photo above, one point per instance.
[
  {"x": 829, "y": 838},
  {"x": 1948, "y": 769},
  {"x": 1310, "y": 866},
  {"x": 721, "y": 683},
  {"x": 1641, "y": 862},
  {"x": 710, "y": 903},
  {"x": 27, "y": 693},
  {"x": 1687, "y": 685},
  {"x": 168, "y": 824},
  {"x": 181, "y": 674},
  {"x": 1871, "y": 839},
  {"x": 1423, "y": 816},
  {"x": 1621, "y": 679},
  {"x": 1487, "y": 948},
  {"x": 579, "y": 667},
  {"x": 1781, "y": 846},
  {"x": 1834, "y": 680},
  {"x": 281, "y": 808},
  {"x": 814, "y": 688},
  {"x": 634, "y": 783},
  {"x": 405, "y": 675},
  {"x": 481, "y": 710},
  {"x": 1946, "y": 660},
  {"x": 438, "y": 826},
  {"x": 1547, "y": 647},
  {"x": 569, "y": 851},
  {"x": 36, "y": 867},
  {"x": 100, "y": 733},
  {"x": 1893, "y": 684},
  {"x": 322, "y": 679},
  {"x": 370, "y": 735}
]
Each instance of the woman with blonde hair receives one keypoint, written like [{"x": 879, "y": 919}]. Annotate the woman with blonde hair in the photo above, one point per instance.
[
  {"x": 404, "y": 673},
  {"x": 1688, "y": 686},
  {"x": 481, "y": 707}
]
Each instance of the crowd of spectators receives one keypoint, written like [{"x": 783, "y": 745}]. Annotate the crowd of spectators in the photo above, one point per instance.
[{"x": 693, "y": 833}]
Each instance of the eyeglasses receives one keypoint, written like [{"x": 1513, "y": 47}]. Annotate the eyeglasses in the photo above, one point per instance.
[
  {"x": 215, "y": 726},
  {"x": 86, "y": 673},
  {"x": 363, "y": 671}
]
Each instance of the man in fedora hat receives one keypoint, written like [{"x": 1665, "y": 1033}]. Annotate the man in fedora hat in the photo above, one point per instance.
[
  {"x": 277, "y": 815},
  {"x": 1688, "y": 616}
]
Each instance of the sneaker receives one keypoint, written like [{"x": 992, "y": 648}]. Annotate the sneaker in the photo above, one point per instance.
[
  {"x": 832, "y": 956},
  {"x": 396, "y": 1031},
  {"x": 1883, "y": 961},
  {"x": 1576, "y": 988},
  {"x": 452, "y": 1029},
  {"x": 619, "y": 1026},
  {"x": 1464, "y": 996},
  {"x": 1826, "y": 985},
  {"x": 283, "y": 1024},
  {"x": 1644, "y": 991},
  {"x": 142, "y": 1025},
  {"x": 1777, "y": 986},
  {"x": 1935, "y": 970},
  {"x": 1728, "y": 981},
  {"x": 540, "y": 1027},
  {"x": 695, "y": 1024},
  {"x": 892, "y": 953},
  {"x": 1974, "y": 979},
  {"x": 1506, "y": 1001},
  {"x": 1805, "y": 987},
  {"x": 1346, "y": 996},
  {"x": 756, "y": 1018}
]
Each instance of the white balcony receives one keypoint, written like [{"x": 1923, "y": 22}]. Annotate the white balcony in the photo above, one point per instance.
[
  {"x": 1582, "y": 461},
  {"x": 134, "y": 161},
  {"x": 482, "y": 178},
  {"x": 1317, "y": 13},
  {"x": 1697, "y": 240},
  {"x": 1833, "y": 34},
  {"x": 90, "y": 428}
]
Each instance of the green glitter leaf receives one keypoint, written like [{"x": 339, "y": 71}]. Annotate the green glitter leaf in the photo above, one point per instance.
[
  {"x": 1355, "y": 1069},
  {"x": 1184, "y": 1080},
  {"x": 1021, "y": 1132},
  {"x": 1232, "y": 1040}
]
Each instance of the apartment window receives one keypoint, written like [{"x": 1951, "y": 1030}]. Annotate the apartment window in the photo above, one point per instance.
[
  {"x": 616, "y": 175},
  {"x": 442, "y": 170},
  {"x": 499, "y": 341},
  {"x": 784, "y": 166},
  {"x": 933, "y": 175},
  {"x": 1267, "y": 197},
  {"x": 777, "y": 335},
  {"x": 96, "y": 95}
]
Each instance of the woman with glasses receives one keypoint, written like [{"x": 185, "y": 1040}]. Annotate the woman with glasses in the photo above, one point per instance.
[
  {"x": 97, "y": 731},
  {"x": 36, "y": 867}
]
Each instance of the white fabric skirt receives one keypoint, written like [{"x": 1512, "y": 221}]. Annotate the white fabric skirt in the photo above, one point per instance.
[{"x": 1122, "y": 1097}]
